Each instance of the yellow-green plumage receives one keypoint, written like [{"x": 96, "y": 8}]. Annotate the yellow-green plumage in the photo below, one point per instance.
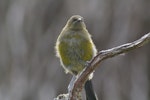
[{"x": 74, "y": 45}]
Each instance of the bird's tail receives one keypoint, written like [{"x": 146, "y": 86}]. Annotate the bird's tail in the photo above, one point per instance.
[{"x": 90, "y": 94}]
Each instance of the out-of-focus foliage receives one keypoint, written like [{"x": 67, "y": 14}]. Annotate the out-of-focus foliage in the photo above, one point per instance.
[{"x": 29, "y": 69}]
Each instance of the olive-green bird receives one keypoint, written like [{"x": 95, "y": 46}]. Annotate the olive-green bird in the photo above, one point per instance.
[{"x": 75, "y": 47}]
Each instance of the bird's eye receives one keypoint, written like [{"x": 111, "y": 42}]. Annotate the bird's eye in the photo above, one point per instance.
[{"x": 75, "y": 19}]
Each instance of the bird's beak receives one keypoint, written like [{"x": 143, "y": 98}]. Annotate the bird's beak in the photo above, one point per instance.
[{"x": 79, "y": 19}]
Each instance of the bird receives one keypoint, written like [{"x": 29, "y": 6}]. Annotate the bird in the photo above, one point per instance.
[{"x": 75, "y": 47}]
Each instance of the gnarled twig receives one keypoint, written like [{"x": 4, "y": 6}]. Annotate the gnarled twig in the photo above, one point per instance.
[{"x": 93, "y": 64}]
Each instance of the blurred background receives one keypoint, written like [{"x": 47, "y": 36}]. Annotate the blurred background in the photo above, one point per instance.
[{"x": 29, "y": 69}]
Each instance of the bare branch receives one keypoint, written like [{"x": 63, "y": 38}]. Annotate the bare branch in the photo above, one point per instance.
[
  {"x": 102, "y": 55},
  {"x": 93, "y": 64}
]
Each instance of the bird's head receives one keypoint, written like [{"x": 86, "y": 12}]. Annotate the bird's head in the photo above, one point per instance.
[{"x": 76, "y": 22}]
